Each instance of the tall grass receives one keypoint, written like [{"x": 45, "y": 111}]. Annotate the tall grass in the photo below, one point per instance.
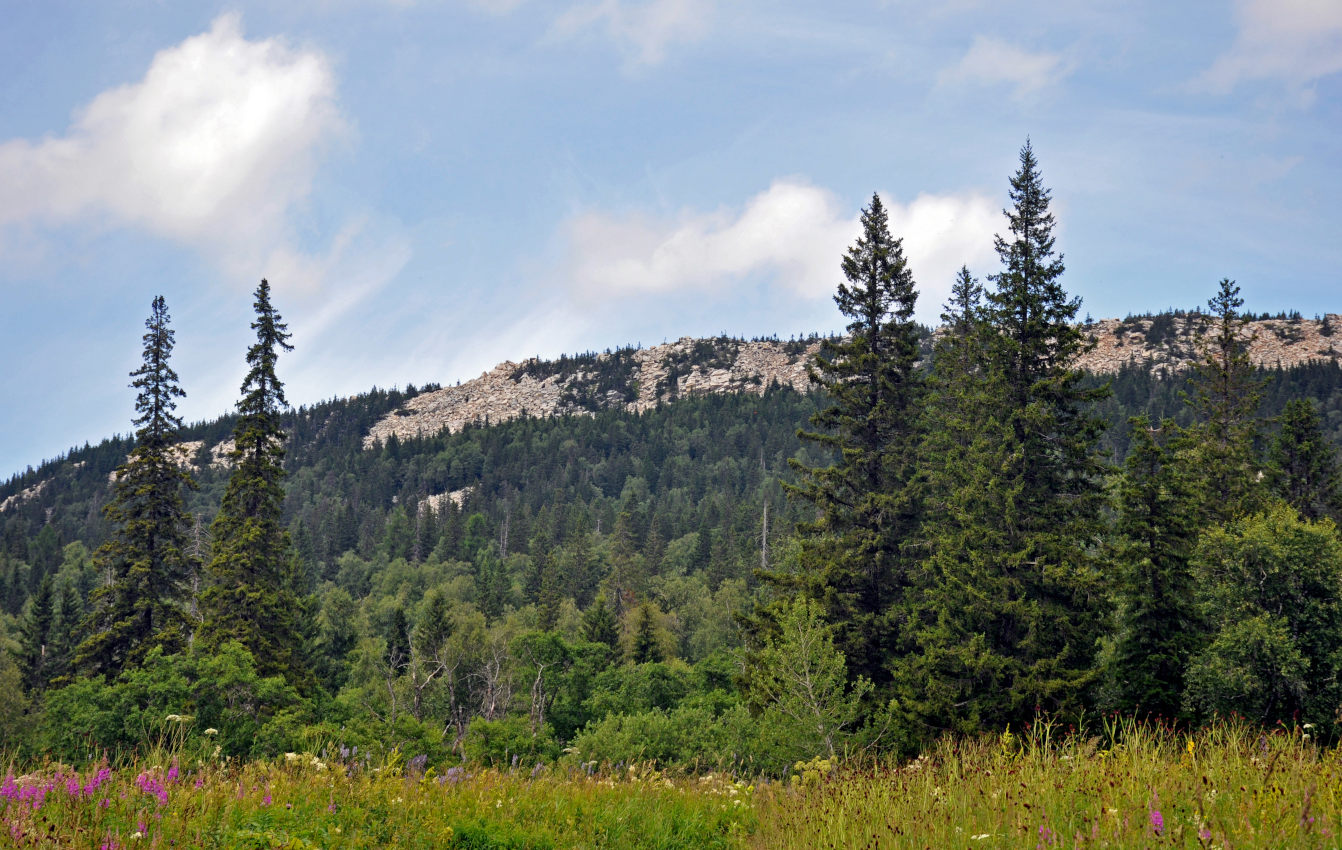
[
  {"x": 1132, "y": 785},
  {"x": 304, "y": 802},
  {"x": 1135, "y": 785}
]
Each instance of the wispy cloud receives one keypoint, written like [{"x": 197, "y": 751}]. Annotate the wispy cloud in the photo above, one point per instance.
[
  {"x": 791, "y": 235},
  {"x": 992, "y": 62},
  {"x": 643, "y": 31},
  {"x": 1294, "y": 42}
]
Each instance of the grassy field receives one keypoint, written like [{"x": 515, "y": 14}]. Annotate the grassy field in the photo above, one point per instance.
[{"x": 1130, "y": 786}]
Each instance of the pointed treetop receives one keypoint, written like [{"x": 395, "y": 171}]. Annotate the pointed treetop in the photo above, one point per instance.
[{"x": 157, "y": 382}]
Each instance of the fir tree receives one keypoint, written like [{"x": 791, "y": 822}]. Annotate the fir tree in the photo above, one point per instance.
[
  {"x": 1304, "y": 464},
  {"x": 147, "y": 561},
  {"x": 253, "y": 597},
  {"x": 854, "y": 554}
]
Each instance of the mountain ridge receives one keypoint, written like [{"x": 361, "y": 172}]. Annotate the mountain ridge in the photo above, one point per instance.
[{"x": 690, "y": 366}]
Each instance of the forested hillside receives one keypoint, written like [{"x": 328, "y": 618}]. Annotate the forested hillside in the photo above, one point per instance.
[{"x": 694, "y": 556}]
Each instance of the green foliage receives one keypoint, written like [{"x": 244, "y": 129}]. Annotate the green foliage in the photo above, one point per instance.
[
  {"x": 1159, "y": 626},
  {"x": 148, "y": 561},
  {"x": 800, "y": 680},
  {"x": 254, "y": 576},
  {"x": 1010, "y": 603},
  {"x": 1304, "y": 466},
  {"x": 1226, "y": 399},
  {"x": 854, "y": 555},
  {"x": 15, "y": 722},
  {"x": 1272, "y": 587},
  {"x": 508, "y": 742}
]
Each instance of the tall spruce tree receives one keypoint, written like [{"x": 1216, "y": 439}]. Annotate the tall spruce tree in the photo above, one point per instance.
[
  {"x": 1227, "y": 393},
  {"x": 1159, "y": 625},
  {"x": 253, "y": 595},
  {"x": 148, "y": 559},
  {"x": 854, "y": 556},
  {"x": 1011, "y": 603},
  {"x": 1304, "y": 464}
]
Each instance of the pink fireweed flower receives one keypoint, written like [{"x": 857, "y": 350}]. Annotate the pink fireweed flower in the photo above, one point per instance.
[{"x": 1157, "y": 822}]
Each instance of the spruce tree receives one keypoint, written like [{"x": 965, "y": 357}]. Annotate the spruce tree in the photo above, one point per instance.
[
  {"x": 854, "y": 554},
  {"x": 1227, "y": 392},
  {"x": 1159, "y": 627},
  {"x": 1304, "y": 464},
  {"x": 35, "y": 635},
  {"x": 253, "y": 597},
  {"x": 1011, "y": 605},
  {"x": 148, "y": 560}
]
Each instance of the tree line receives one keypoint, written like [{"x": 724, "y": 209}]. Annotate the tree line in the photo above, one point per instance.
[{"x": 948, "y": 548}]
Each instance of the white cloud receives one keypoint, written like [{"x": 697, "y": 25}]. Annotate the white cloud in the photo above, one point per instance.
[
  {"x": 211, "y": 148},
  {"x": 215, "y": 148},
  {"x": 793, "y": 234},
  {"x": 1293, "y": 41},
  {"x": 642, "y": 30},
  {"x": 991, "y": 62}
]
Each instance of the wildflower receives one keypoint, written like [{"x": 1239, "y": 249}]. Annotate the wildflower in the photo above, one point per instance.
[
  {"x": 265, "y": 801},
  {"x": 1205, "y": 834},
  {"x": 981, "y": 836},
  {"x": 211, "y": 731},
  {"x": 1157, "y": 822}
]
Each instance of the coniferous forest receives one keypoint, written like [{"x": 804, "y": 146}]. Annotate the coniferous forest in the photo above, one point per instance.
[{"x": 954, "y": 533}]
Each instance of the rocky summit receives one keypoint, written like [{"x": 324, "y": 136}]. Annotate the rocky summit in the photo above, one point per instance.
[{"x": 639, "y": 379}]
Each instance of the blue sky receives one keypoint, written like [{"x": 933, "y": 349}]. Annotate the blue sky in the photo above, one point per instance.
[{"x": 432, "y": 187}]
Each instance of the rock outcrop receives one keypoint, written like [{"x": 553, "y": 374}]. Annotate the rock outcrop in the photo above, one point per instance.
[
  {"x": 639, "y": 379},
  {"x": 629, "y": 379}
]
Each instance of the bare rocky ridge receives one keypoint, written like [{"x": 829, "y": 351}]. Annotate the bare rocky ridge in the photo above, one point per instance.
[
  {"x": 696, "y": 367},
  {"x": 628, "y": 380}
]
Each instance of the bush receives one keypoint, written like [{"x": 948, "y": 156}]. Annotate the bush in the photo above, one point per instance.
[{"x": 508, "y": 742}]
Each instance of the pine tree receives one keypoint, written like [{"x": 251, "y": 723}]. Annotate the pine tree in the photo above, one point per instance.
[
  {"x": 148, "y": 559},
  {"x": 253, "y": 596},
  {"x": 1304, "y": 464},
  {"x": 854, "y": 554},
  {"x": 1011, "y": 604}
]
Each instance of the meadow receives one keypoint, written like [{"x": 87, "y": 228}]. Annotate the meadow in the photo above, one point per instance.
[{"x": 1129, "y": 785}]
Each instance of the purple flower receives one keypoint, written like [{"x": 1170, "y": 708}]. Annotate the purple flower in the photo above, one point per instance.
[
  {"x": 1205, "y": 834},
  {"x": 1157, "y": 822},
  {"x": 265, "y": 801}
]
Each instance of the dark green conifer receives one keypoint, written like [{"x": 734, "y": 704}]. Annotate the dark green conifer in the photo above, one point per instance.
[
  {"x": 1304, "y": 464},
  {"x": 599, "y": 624},
  {"x": 1227, "y": 392},
  {"x": 1159, "y": 627},
  {"x": 147, "y": 562},
  {"x": 253, "y": 596},
  {"x": 645, "y": 645},
  {"x": 35, "y": 636},
  {"x": 854, "y": 556},
  {"x": 1012, "y": 604}
]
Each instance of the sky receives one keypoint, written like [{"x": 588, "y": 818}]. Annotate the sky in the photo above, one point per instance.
[{"x": 434, "y": 187}]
